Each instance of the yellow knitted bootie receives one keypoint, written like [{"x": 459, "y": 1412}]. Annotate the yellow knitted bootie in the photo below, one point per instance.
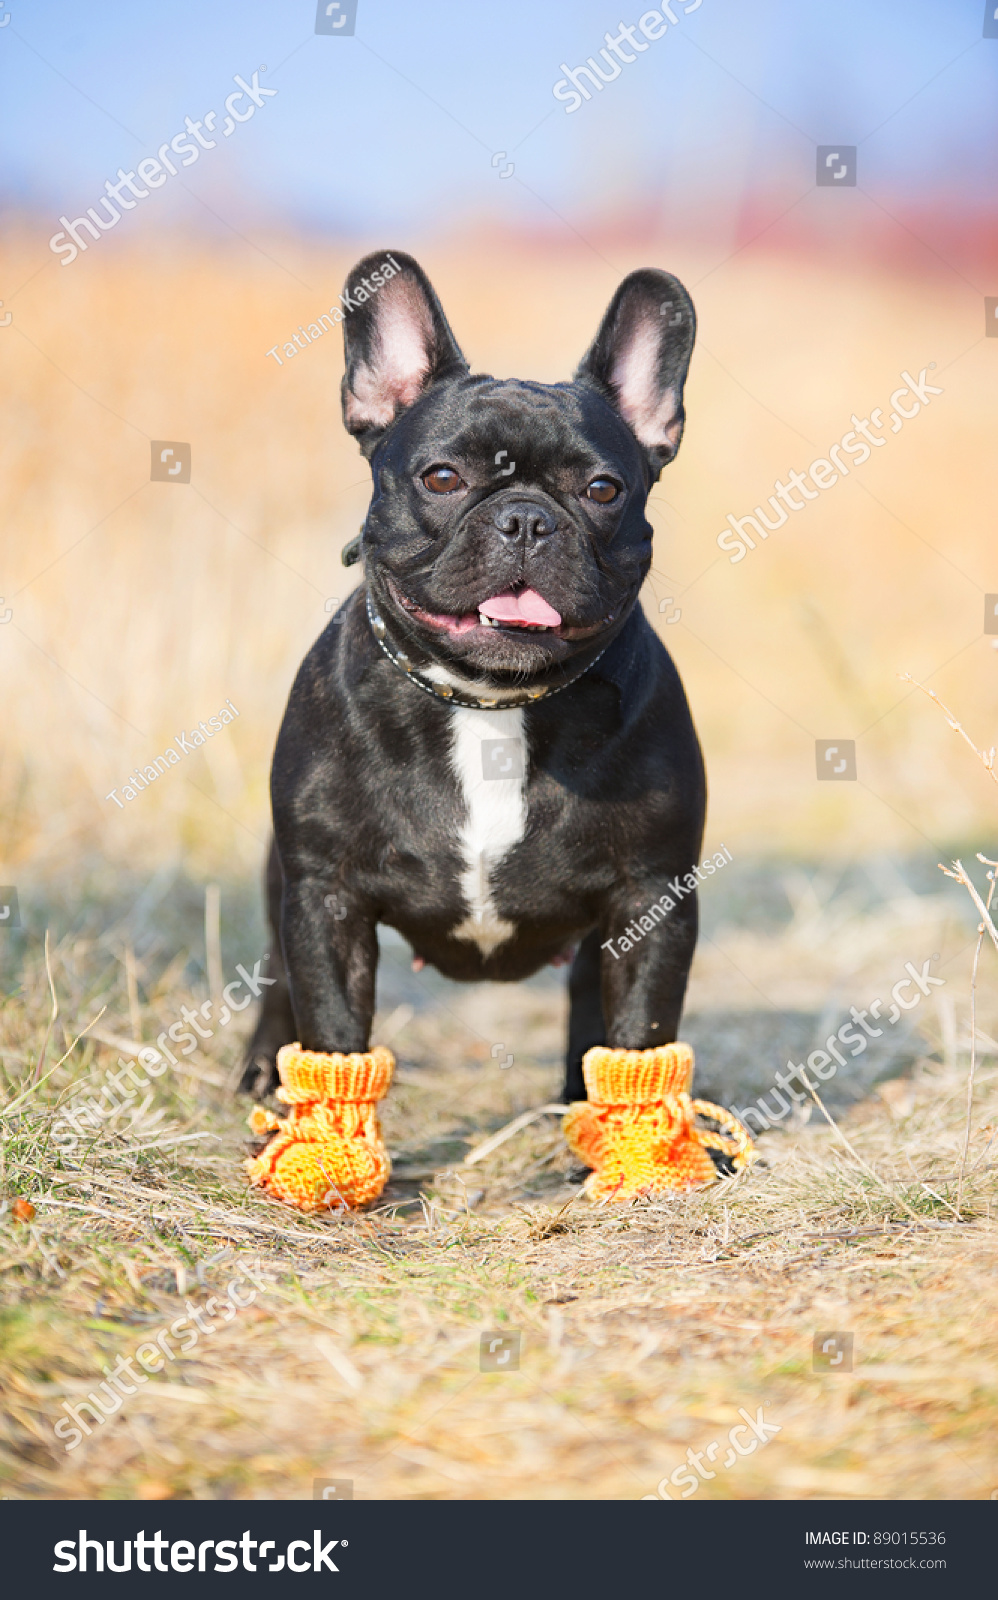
[
  {"x": 327, "y": 1153},
  {"x": 638, "y": 1129}
]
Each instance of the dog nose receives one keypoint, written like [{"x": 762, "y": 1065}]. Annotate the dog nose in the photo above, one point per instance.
[{"x": 524, "y": 519}]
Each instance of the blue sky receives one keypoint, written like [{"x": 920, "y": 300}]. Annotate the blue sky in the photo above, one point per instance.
[{"x": 396, "y": 127}]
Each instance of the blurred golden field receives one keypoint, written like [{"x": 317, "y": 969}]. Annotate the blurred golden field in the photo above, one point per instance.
[{"x": 139, "y": 608}]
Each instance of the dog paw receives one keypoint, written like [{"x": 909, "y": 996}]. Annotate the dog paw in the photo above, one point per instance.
[{"x": 260, "y": 1077}]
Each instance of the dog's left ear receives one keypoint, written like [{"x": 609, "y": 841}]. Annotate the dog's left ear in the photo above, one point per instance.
[
  {"x": 396, "y": 340},
  {"x": 639, "y": 359}
]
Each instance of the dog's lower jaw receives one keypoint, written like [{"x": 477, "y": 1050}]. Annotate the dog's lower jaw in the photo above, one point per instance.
[{"x": 529, "y": 652}]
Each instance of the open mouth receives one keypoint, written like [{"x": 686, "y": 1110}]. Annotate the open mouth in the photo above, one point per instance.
[{"x": 518, "y": 610}]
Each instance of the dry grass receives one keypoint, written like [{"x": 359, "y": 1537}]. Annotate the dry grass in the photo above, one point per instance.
[
  {"x": 644, "y": 1329},
  {"x": 138, "y": 608}
]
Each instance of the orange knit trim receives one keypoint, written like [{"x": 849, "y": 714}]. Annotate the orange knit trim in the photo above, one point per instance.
[
  {"x": 738, "y": 1147},
  {"x": 308, "y": 1075},
  {"x": 262, "y": 1121},
  {"x": 328, "y": 1153},
  {"x": 635, "y": 1077},
  {"x": 638, "y": 1130}
]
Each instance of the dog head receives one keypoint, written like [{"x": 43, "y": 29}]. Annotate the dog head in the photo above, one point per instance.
[{"x": 506, "y": 540}]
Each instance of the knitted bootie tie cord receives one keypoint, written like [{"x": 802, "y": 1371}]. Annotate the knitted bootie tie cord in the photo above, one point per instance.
[
  {"x": 638, "y": 1129},
  {"x": 327, "y": 1153}
]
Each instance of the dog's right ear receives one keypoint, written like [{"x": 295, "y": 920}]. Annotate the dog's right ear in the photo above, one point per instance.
[{"x": 397, "y": 342}]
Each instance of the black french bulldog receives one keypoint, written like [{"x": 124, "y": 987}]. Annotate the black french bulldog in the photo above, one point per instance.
[{"x": 488, "y": 748}]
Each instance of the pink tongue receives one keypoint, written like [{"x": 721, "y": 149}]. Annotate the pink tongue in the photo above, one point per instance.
[{"x": 525, "y": 606}]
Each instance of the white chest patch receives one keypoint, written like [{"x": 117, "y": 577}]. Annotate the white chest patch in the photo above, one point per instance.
[{"x": 489, "y": 757}]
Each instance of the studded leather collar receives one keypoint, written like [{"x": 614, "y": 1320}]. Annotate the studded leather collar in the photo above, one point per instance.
[{"x": 456, "y": 697}]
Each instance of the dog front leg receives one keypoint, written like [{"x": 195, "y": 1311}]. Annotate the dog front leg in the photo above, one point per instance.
[
  {"x": 328, "y": 1153},
  {"x": 331, "y": 956},
  {"x": 644, "y": 973},
  {"x": 275, "y": 1023},
  {"x": 586, "y": 1026},
  {"x": 637, "y": 1129}
]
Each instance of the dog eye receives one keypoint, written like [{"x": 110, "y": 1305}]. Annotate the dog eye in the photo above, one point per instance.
[
  {"x": 443, "y": 480},
  {"x": 602, "y": 490}
]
